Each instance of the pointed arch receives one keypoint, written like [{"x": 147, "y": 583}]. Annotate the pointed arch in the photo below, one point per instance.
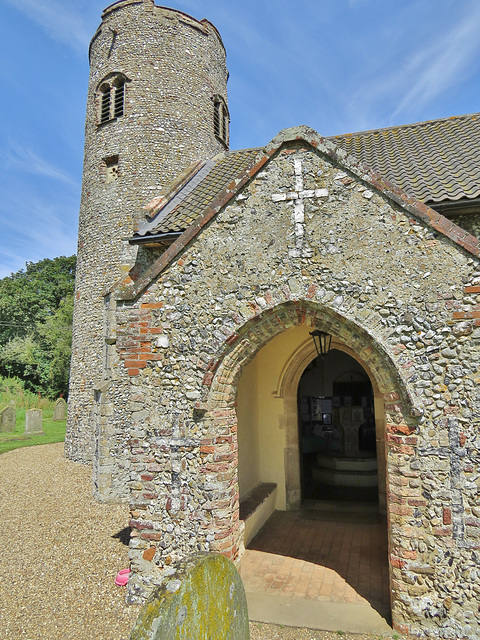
[
  {"x": 355, "y": 339},
  {"x": 395, "y": 409}
]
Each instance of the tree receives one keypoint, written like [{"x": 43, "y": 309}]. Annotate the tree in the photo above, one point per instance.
[
  {"x": 36, "y": 306},
  {"x": 56, "y": 339},
  {"x": 32, "y": 295}
]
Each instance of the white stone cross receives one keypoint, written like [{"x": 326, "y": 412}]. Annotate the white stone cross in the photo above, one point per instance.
[{"x": 297, "y": 197}]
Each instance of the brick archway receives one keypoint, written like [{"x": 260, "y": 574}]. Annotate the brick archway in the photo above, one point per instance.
[
  {"x": 241, "y": 347},
  {"x": 396, "y": 413}
]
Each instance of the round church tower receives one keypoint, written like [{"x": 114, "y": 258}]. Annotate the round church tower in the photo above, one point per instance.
[{"x": 157, "y": 102}]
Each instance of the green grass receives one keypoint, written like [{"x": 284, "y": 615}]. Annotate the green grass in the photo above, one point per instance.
[
  {"x": 54, "y": 432},
  {"x": 12, "y": 392}
]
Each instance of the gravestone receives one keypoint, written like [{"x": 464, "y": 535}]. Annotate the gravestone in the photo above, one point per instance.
[
  {"x": 60, "y": 410},
  {"x": 7, "y": 419},
  {"x": 33, "y": 423},
  {"x": 203, "y": 599}
]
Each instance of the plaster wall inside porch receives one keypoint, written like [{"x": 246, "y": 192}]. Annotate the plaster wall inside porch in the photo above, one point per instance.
[
  {"x": 262, "y": 434},
  {"x": 267, "y": 411}
]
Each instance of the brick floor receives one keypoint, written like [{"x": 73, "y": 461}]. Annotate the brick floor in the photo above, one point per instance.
[{"x": 320, "y": 555}]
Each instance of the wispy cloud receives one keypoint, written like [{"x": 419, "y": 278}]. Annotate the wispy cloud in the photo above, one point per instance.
[
  {"x": 416, "y": 70},
  {"x": 24, "y": 159},
  {"x": 10, "y": 262},
  {"x": 35, "y": 228},
  {"x": 435, "y": 69},
  {"x": 62, "y": 21}
]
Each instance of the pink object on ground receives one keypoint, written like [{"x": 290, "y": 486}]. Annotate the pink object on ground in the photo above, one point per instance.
[{"x": 122, "y": 577}]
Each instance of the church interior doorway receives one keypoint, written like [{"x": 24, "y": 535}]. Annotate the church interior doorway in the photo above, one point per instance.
[
  {"x": 337, "y": 436},
  {"x": 337, "y": 537}
]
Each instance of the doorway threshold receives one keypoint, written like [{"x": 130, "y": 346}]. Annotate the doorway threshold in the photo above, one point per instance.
[
  {"x": 315, "y": 568},
  {"x": 340, "y": 506}
]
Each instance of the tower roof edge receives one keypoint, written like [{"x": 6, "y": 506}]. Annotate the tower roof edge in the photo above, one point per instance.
[{"x": 204, "y": 24}]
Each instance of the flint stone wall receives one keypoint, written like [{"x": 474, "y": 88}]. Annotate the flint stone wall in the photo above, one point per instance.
[
  {"x": 174, "y": 66},
  {"x": 378, "y": 277}
]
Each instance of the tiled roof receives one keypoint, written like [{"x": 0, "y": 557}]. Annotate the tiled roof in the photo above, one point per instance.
[
  {"x": 210, "y": 180},
  {"x": 433, "y": 161},
  {"x": 227, "y": 185}
]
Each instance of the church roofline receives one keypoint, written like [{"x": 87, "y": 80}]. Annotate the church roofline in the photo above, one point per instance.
[
  {"x": 127, "y": 289},
  {"x": 412, "y": 125},
  {"x": 434, "y": 160}
]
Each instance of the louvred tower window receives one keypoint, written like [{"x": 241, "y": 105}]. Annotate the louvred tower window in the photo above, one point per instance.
[
  {"x": 111, "y": 98},
  {"x": 221, "y": 120},
  {"x": 119, "y": 88}
]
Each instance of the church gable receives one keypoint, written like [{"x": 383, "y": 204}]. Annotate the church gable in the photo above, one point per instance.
[
  {"x": 302, "y": 228},
  {"x": 300, "y": 199},
  {"x": 301, "y": 189},
  {"x": 304, "y": 218}
]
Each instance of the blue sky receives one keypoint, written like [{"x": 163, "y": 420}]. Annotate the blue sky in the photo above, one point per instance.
[{"x": 335, "y": 65}]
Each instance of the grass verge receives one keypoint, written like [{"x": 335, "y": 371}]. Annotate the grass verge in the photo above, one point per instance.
[{"x": 54, "y": 432}]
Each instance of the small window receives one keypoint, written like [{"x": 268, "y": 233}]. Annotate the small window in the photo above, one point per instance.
[
  {"x": 225, "y": 125},
  {"x": 217, "y": 119},
  {"x": 110, "y": 169},
  {"x": 119, "y": 98},
  {"x": 111, "y": 98},
  {"x": 221, "y": 120}
]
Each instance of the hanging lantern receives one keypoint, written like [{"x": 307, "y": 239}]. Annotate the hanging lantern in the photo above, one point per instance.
[{"x": 322, "y": 341}]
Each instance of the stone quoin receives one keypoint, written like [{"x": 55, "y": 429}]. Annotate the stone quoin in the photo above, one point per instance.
[{"x": 201, "y": 273}]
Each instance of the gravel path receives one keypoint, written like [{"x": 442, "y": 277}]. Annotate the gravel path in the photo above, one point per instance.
[{"x": 56, "y": 577}]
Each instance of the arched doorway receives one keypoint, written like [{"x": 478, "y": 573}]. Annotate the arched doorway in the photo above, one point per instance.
[
  {"x": 276, "y": 446},
  {"x": 340, "y": 547},
  {"x": 337, "y": 439},
  {"x": 252, "y": 394}
]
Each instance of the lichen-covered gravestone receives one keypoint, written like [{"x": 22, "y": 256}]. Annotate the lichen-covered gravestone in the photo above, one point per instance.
[
  {"x": 60, "y": 410},
  {"x": 203, "y": 600},
  {"x": 7, "y": 419},
  {"x": 33, "y": 423}
]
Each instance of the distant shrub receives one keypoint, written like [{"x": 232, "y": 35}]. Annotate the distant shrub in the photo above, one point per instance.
[{"x": 13, "y": 390}]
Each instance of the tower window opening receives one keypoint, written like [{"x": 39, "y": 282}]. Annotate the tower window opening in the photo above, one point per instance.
[
  {"x": 105, "y": 104},
  {"x": 119, "y": 98},
  {"x": 111, "y": 98},
  {"x": 221, "y": 120},
  {"x": 225, "y": 125},
  {"x": 217, "y": 119},
  {"x": 110, "y": 168}
]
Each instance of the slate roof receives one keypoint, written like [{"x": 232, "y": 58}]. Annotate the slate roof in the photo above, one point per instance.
[{"x": 433, "y": 161}]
